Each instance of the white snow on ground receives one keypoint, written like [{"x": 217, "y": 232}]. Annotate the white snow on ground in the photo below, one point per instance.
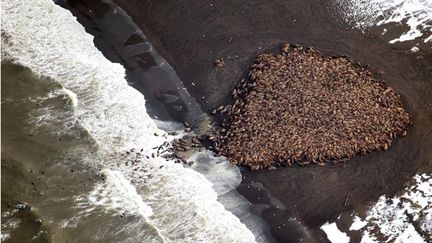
[
  {"x": 334, "y": 234},
  {"x": 414, "y": 15},
  {"x": 406, "y": 217}
]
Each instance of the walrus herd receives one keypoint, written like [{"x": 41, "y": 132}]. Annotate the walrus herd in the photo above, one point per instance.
[{"x": 300, "y": 107}]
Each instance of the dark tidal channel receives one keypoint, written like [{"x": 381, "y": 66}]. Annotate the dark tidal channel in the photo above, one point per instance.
[{"x": 191, "y": 34}]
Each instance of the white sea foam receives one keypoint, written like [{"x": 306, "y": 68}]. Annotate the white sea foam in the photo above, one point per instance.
[
  {"x": 118, "y": 193},
  {"x": 4, "y": 236},
  {"x": 415, "y": 15},
  {"x": 179, "y": 202},
  {"x": 72, "y": 97},
  {"x": 8, "y": 226}
]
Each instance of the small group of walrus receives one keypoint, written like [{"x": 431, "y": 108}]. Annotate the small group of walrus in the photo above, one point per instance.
[{"x": 300, "y": 107}]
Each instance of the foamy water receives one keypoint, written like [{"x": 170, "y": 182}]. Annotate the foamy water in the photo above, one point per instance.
[
  {"x": 178, "y": 202},
  {"x": 414, "y": 15}
]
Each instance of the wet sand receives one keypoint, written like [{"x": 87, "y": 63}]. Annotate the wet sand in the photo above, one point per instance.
[{"x": 190, "y": 35}]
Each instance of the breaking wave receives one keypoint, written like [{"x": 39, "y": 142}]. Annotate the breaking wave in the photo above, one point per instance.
[{"x": 179, "y": 203}]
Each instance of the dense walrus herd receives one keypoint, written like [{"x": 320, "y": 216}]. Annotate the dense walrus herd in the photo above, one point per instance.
[{"x": 300, "y": 107}]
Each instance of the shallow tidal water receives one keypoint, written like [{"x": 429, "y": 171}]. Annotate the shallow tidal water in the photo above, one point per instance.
[
  {"x": 190, "y": 35},
  {"x": 34, "y": 161},
  {"x": 70, "y": 118}
]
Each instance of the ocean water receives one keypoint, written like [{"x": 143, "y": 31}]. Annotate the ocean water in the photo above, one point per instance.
[{"x": 68, "y": 118}]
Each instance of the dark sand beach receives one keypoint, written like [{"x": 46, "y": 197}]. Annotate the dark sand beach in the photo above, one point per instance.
[{"x": 191, "y": 34}]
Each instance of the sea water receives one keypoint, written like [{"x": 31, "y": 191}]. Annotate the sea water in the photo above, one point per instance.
[{"x": 77, "y": 118}]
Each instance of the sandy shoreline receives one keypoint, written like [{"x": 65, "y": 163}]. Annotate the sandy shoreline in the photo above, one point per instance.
[{"x": 190, "y": 35}]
